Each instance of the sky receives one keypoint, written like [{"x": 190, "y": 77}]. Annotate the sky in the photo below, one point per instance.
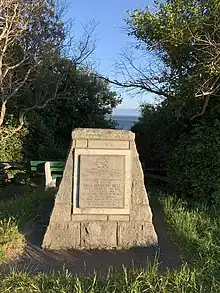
[{"x": 109, "y": 33}]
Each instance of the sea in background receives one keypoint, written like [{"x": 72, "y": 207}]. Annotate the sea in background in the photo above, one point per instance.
[{"x": 125, "y": 122}]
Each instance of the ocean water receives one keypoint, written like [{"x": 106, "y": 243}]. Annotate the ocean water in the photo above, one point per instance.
[{"x": 125, "y": 122}]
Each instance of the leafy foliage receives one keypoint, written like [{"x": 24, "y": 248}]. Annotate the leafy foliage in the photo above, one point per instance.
[
  {"x": 195, "y": 163},
  {"x": 156, "y": 132},
  {"x": 181, "y": 132},
  {"x": 45, "y": 92}
]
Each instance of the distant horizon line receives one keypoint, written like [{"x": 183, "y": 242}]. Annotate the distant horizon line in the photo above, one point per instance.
[{"x": 124, "y": 114}]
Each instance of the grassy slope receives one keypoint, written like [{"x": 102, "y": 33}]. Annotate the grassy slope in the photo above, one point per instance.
[
  {"x": 195, "y": 228},
  {"x": 13, "y": 214}
]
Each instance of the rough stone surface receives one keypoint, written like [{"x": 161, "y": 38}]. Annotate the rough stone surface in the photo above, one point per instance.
[
  {"x": 61, "y": 212},
  {"x": 108, "y": 144},
  {"x": 136, "y": 233},
  {"x": 102, "y": 134},
  {"x": 101, "y": 235},
  {"x": 118, "y": 218},
  {"x": 102, "y": 201},
  {"x": 81, "y": 143},
  {"x": 65, "y": 189},
  {"x": 55, "y": 238},
  {"x": 82, "y": 218}
]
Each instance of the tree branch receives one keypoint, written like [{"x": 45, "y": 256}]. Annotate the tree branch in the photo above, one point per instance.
[
  {"x": 21, "y": 84},
  {"x": 203, "y": 109},
  {"x": 137, "y": 85}
]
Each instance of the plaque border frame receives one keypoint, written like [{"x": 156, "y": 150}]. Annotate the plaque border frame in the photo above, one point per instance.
[
  {"x": 122, "y": 195},
  {"x": 128, "y": 178}
]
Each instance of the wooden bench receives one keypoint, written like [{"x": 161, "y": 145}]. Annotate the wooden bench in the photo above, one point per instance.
[{"x": 52, "y": 171}]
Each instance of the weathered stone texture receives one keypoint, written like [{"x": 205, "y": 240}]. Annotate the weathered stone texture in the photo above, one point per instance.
[
  {"x": 62, "y": 236},
  {"x": 81, "y": 143},
  {"x": 87, "y": 217},
  {"x": 101, "y": 235},
  {"x": 118, "y": 218},
  {"x": 106, "y": 144},
  {"x": 102, "y": 201},
  {"x": 61, "y": 212},
  {"x": 65, "y": 189},
  {"x": 137, "y": 233}
]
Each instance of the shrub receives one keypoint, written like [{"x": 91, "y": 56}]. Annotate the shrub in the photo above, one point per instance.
[
  {"x": 195, "y": 162},
  {"x": 156, "y": 130},
  {"x": 11, "y": 148},
  {"x": 11, "y": 240},
  {"x": 13, "y": 215}
]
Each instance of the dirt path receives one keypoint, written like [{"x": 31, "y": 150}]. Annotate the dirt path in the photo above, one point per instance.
[{"x": 35, "y": 259}]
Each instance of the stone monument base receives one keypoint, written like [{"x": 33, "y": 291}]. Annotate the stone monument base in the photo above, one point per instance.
[{"x": 101, "y": 202}]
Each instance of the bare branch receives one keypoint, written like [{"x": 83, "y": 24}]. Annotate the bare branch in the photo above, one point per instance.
[
  {"x": 207, "y": 98},
  {"x": 86, "y": 45},
  {"x": 37, "y": 107},
  {"x": 138, "y": 85},
  {"x": 20, "y": 85}
]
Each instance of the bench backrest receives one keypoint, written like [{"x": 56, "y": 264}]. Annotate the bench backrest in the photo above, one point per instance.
[
  {"x": 35, "y": 164},
  {"x": 55, "y": 166}
]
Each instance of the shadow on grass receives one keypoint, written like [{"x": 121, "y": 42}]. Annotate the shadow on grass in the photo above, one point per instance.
[{"x": 169, "y": 251}]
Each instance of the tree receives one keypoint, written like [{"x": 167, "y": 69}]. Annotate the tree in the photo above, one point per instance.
[
  {"x": 30, "y": 33},
  {"x": 182, "y": 132},
  {"x": 179, "y": 43},
  {"x": 89, "y": 103},
  {"x": 32, "y": 40}
]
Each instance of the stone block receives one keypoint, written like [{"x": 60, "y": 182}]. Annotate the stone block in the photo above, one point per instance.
[
  {"x": 64, "y": 194},
  {"x": 134, "y": 234},
  {"x": 141, "y": 212},
  {"x": 62, "y": 236},
  {"x": 108, "y": 144},
  {"x": 118, "y": 218},
  {"x": 103, "y": 134},
  {"x": 138, "y": 193},
  {"x": 98, "y": 235},
  {"x": 61, "y": 212},
  {"x": 90, "y": 217},
  {"x": 81, "y": 143}
]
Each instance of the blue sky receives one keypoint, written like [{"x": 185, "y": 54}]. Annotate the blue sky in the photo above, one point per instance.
[{"x": 110, "y": 34}]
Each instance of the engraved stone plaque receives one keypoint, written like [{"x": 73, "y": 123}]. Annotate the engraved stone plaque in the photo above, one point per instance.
[{"x": 102, "y": 181}]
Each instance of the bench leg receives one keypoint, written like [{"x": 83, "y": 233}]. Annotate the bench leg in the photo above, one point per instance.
[{"x": 48, "y": 176}]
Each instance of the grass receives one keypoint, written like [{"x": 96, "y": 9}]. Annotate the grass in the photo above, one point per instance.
[
  {"x": 194, "y": 226},
  {"x": 24, "y": 208},
  {"x": 129, "y": 281},
  {"x": 12, "y": 242},
  {"x": 13, "y": 215}
]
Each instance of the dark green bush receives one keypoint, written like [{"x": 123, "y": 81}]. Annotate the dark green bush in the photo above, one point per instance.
[
  {"x": 11, "y": 148},
  {"x": 157, "y": 131},
  {"x": 195, "y": 162}
]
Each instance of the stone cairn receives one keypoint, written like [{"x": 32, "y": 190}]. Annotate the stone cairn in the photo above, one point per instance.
[{"x": 101, "y": 202}]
